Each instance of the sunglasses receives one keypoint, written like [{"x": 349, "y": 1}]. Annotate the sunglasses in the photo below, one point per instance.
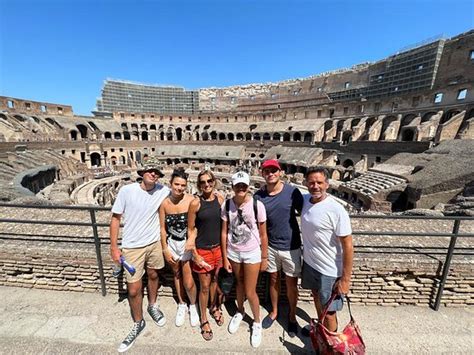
[
  {"x": 270, "y": 170},
  {"x": 204, "y": 182}
]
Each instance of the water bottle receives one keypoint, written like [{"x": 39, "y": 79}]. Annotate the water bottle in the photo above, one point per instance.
[{"x": 127, "y": 266}]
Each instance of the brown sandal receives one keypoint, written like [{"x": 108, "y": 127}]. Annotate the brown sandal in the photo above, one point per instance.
[
  {"x": 219, "y": 318},
  {"x": 206, "y": 334}
]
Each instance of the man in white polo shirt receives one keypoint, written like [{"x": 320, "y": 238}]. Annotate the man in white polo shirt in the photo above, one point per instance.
[
  {"x": 327, "y": 245},
  {"x": 138, "y": 203}
]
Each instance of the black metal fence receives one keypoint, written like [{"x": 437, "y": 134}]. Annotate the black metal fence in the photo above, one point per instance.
[{"x": 99, "y": 241}]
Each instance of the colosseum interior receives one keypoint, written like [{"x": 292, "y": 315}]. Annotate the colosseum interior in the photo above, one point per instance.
[{"x": 397, "y": 136}]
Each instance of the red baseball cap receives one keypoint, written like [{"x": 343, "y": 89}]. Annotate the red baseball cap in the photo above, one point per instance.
[{"x": 271, "y": 163}]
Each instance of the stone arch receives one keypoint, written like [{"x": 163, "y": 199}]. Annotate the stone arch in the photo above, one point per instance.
[
  {"x": 385, "y": 123},
  {"x": 138, "y": 156},
  {"x": 143, "y": 126},
  {"x": 276, "y": 136},
  {"x": 113, "y": 160},
  {"x": 230, "y": 136},
  {"x": 408, "y": 135},
  {"x": 124, "y": 126},
  {"x": 83, "y": 130},
  {"x": 144, "y": 135},
  {"x": 213, "y": 135},
  {"x": 248, "y": 136},
  {"x": 153, "y": 127},
  {"x": 256, "y": 136},
  {"x": 407, "y": 119},
  {"x": 36, "y": 119},
  {"x": 347, "y": 163},
  {"x": 53, "y": 122},
  {"x": 239, "y": 137},
  {"x": 297, "y": 137},
  {"x": 134, "y": 127},
  {"x": 266, "y": 136},
  {"x": 427, "y": 116},
  {"x": 205, "y": 136},
  {"x": 135, "y": 136},
  {"x": 73, "y": 134},
  {"x": 308, "y": 137},
  {"x": 448, "y": 115},
  {"x": 126, "y": 135},
  {"x": 286, "y": 137},
  {"x": 19, "y": 118},
  {"x": 169, "y": 134},
  {"x": 96, "y": 159},
  {"x": 93, "y": 126},
  {"x": 179, "y": 133},
  {"x": 107, "y": 135},
  {"x": 117, "y": 136},
  {"x": 162, "y": 136},
  {"x": 222, "y": 136},
  {"x": 346, "y": 137}
]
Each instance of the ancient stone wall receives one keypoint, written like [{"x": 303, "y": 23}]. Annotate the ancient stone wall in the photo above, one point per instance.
[
  {"x": 29, "y": 107},
  {"x": 375, "y": 281}
]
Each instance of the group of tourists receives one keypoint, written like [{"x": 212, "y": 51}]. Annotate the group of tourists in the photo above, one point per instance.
[{"x": 244, "y": 235}]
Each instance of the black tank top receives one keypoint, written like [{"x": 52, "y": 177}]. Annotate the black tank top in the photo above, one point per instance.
[
  {"x": 177, "y": 226},
  {"x": 208, "y": 224}
]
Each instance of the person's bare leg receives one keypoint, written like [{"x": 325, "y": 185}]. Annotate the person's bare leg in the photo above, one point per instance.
[
  {"x": 240, "y": 288},
  {"x": 178, "y": 283},
  {"x": 251, "y": 272},
  {"x": 204, "y": 283},
  {"x": 330, "y": 322},
  {"x": 274, "y": 292},
  {"x": 153, "y": 284},
  {"x": 292, "y": 293},
  {"x": 135, "y": 299},
  {"x": 188, "y": 282}
]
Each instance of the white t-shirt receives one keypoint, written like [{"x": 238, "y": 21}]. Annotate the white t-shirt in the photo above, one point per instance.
[
  {"x": 139, "y": 210},
  {"x": 321, "y": 225}
]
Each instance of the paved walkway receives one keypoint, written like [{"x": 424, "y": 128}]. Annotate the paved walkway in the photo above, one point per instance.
[{"x": 45, "y": 322}]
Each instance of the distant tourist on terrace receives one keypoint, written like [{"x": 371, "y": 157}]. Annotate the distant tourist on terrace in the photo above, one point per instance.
[
  {"x": 138, "y": 203},
  {"x": 284, "y": 241},
  {"x": 327, "y": 245}
]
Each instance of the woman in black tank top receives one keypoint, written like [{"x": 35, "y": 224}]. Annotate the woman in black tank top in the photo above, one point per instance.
[{"x": 204, "y": 225}]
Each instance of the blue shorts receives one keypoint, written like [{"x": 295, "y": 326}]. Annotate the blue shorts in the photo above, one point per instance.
[{"x": 313, "y": 280}]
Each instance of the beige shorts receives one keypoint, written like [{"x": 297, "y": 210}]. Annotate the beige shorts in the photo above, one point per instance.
[
  {"x": 287, "y": 260},
  {"x": 150, "y": 256}
]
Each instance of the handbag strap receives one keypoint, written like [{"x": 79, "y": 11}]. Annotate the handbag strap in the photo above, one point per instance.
[{"x": 326, "y": 309}]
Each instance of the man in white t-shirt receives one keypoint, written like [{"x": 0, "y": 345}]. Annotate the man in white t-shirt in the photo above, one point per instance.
[
  {"x": 138, "y": 203},
  {"x": 327, "y": 245}
]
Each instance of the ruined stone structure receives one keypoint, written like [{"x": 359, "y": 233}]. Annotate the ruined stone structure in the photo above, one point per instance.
[
  {"x": 348, "y": 120},
  {"x": 396, "y": 134}
]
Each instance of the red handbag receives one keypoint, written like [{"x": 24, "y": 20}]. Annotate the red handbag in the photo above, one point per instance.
[{"x": 327, "y": 342}]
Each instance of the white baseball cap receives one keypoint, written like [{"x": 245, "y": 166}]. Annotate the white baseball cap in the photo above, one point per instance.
[{"x": 241, "y": 177}]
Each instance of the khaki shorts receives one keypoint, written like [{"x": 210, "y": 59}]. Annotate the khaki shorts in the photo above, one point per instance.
[
  {"x": 150, "y": 256},
  {"x": 287, "y": 260}
]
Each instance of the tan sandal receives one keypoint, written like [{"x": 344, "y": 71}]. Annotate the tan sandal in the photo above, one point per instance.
[
  {"x": 219, "y": 318},
  {"x": 206, "y": 334}
]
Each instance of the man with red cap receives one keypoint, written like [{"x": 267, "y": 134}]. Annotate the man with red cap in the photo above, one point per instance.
[{"x": 281, "y": 201}]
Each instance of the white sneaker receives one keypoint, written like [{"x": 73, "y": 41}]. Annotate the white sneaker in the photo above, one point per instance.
[
  {"x": 193, "y": 316},
  {"x": 235, "y": 322},
  {"x": 181, "y": 313},
  {"x": 256, "y": 338}
]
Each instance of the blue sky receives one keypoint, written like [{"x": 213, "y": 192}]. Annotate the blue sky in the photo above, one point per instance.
[{"x": 62, "y": 51}]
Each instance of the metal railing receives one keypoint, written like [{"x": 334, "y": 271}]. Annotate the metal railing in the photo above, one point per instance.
[{"x": 99, "y": 241}]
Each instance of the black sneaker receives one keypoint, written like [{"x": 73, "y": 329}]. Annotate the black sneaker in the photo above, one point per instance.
[
  {"x": 132, "y": 336},
  {"x": 292, "y": 329},
  {"x": 157, "y": 315}
]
